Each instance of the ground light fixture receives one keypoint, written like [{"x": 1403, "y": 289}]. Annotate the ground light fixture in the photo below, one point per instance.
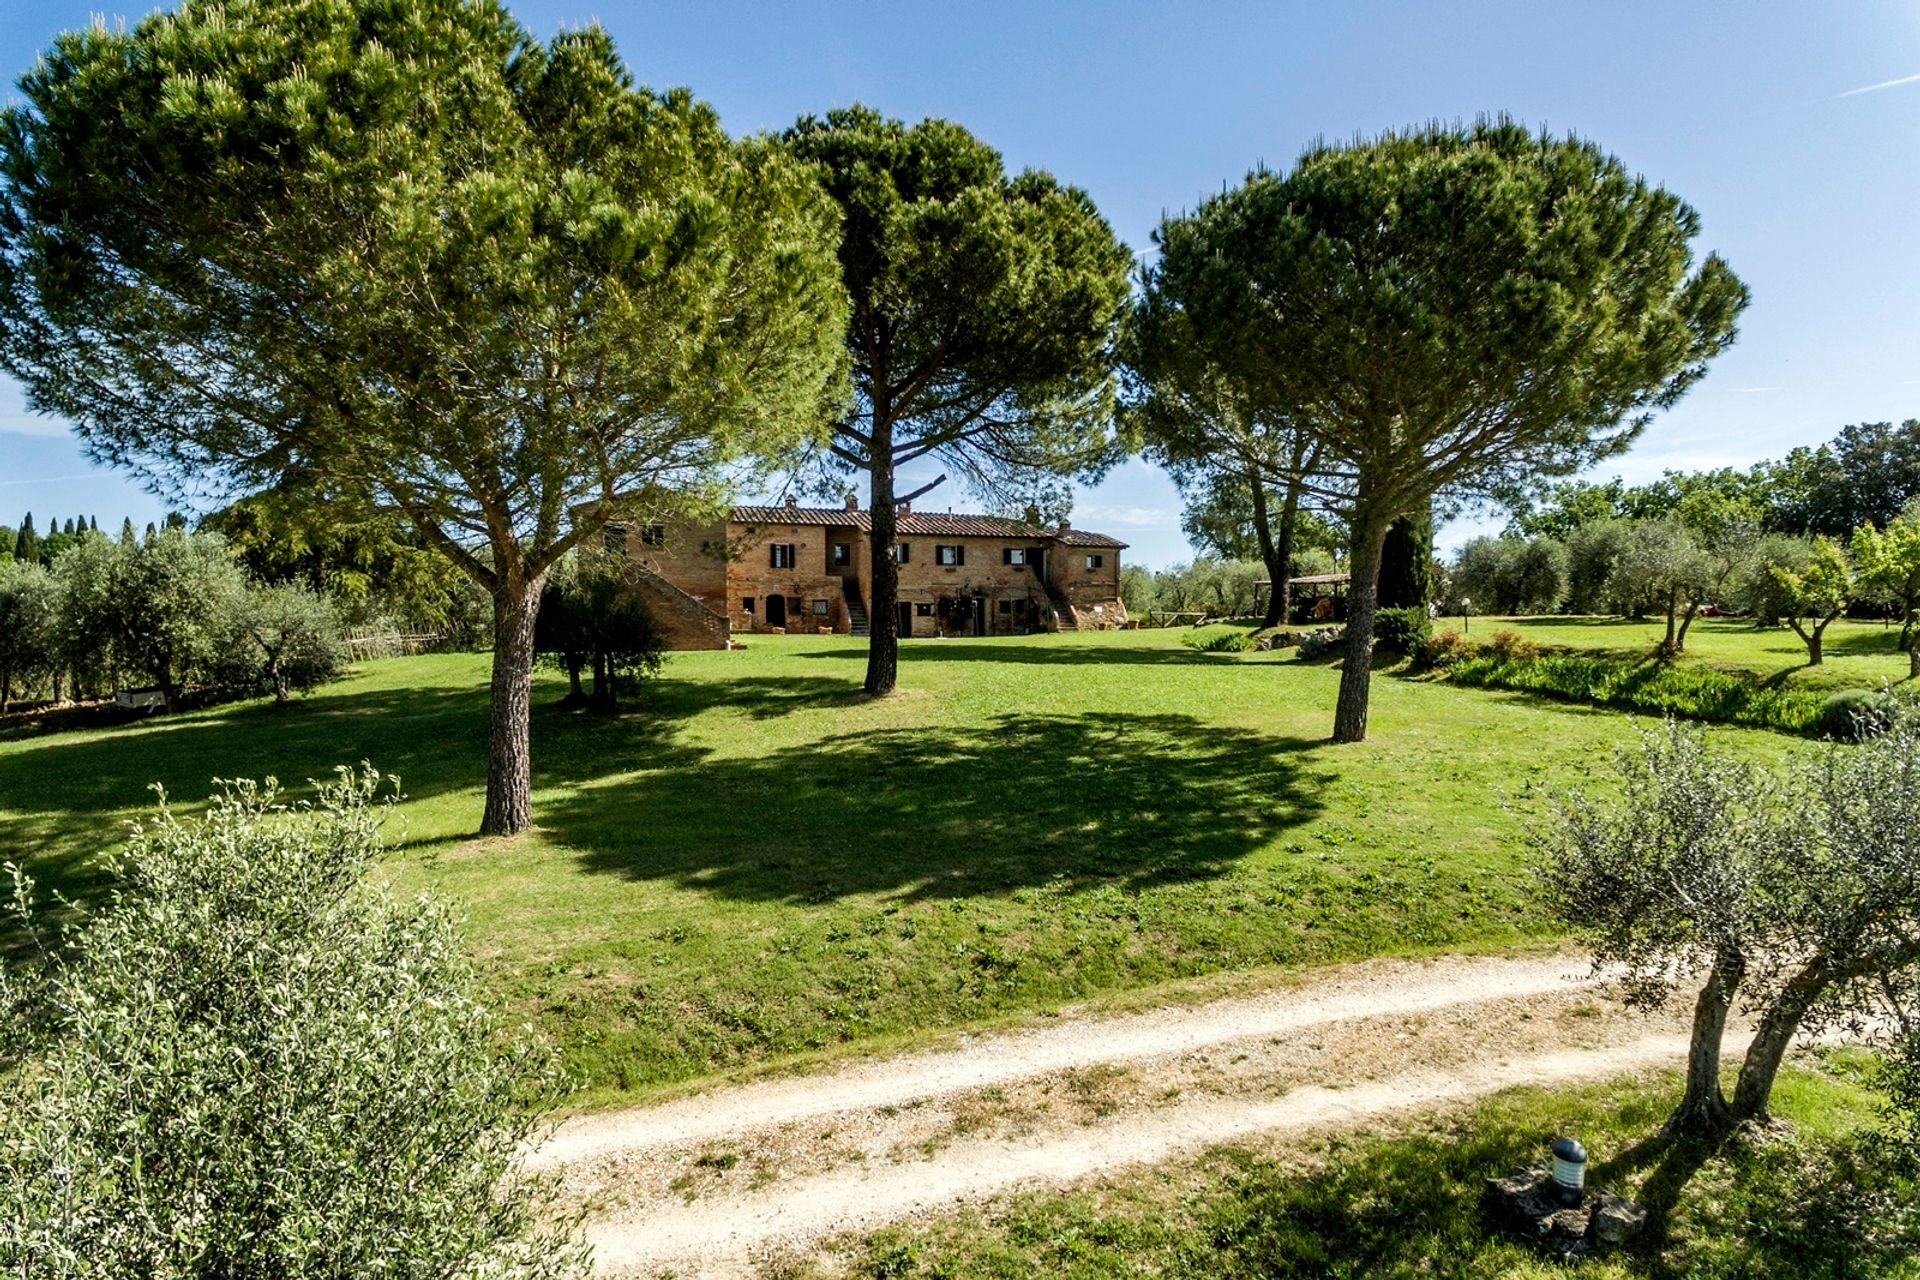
[{"x": 1569, "y": 1169}]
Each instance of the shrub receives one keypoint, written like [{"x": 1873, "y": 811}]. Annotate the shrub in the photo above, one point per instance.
[
  {"x": 257, "y": 1062},
  {"x": 1401, "y": 630},
  {"x": 1854, "y": 714},
  {"x": 1716, "y": 697},
  {"x": 1219, "y": 639},
  {"x": 1507, "y": 645},
  {"x": 1443, "y": 649},
  {"x": 1315, "y": 645}
]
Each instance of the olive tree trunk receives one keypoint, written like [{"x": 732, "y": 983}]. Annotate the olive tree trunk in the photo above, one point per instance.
[
  {"x": 509, "y": 755},
  {"x": 1703, "y": 1109},
  {"x": 1363, "y": 598}
]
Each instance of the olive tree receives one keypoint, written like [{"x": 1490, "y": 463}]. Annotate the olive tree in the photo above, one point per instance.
[
  {"x": 28, "y": 603},
  {"x": 1663, "y": 564},
  {"x": 250, "y": 1058},
  {"x": 593, "y": 618},
  {"x": 1447, "y": 310},
  {"x": 1889, "y": 563},
  {"x": 286, "y": 637},
  {"x": 414, "y": 260},
  {"x": 1812, "y": 597},
  {"x": 1796, "y": 895},
  {"x": 984, "y": 307}
]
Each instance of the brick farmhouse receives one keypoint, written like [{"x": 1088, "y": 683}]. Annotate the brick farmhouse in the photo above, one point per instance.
[{"x": 806, "y": 569}]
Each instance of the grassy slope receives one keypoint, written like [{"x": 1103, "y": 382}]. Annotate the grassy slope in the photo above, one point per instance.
[
  {"x": 1857, "y": 654},
  {"x": 1408, "y": 1206},
  {"x": 756, "y": 862}
]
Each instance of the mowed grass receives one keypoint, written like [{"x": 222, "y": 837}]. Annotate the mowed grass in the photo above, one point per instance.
[
  {"x": 1856, "y": 654},
  {"x": 756, "y": 862},
  {"x": 1826, "y": 1201}
]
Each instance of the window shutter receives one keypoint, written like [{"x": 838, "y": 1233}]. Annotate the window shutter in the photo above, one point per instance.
[
  {"x": 1006, "y": 555},
  {"x": 959, "y": 553},
  {"x": 773, "y": 555}
]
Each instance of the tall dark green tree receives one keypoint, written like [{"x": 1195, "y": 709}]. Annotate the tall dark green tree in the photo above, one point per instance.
[
  {"x": 26, "y": 543},
  {"x": 1406, "y": 562},
  {"x": 983, "y": 309},
  {"x": 1447, "y": 310},
  {"x": 404, "y": 253}
]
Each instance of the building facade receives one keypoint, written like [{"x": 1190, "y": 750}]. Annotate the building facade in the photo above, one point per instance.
[{"x": 791, "y": 568}]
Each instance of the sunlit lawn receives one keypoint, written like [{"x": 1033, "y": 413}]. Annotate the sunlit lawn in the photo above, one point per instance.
[
  {"x": 757, "y": 862},
  {"x": 1857, "y": 654}
]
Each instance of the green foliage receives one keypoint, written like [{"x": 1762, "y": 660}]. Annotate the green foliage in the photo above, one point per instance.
[
  {"x": 29, "y": 649},
  {"x": 592, "y": 616},
  {"x": 1814, "y": 596},
  {"x": 1402, "y": 630},
  {"x": 1510, "y": 575},
  {"x": 984, "y": 307},
  {"x": 1219, "y": 639},
  {"x": 1889, "y": 561},
  {"x": 418, "y": 261},
  {"x": 1406, "y": 563},
  {"x": 286, "y": 638},
  {"x": 1573, "y": 297},
  {"x": 1853, "y": 714},
  {"x": 258, "y": 1062},
  {"x": 1716, "y": 697}
]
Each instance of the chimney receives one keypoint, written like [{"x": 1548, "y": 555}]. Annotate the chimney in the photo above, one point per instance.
[
  {"x": 1064, "y": 526},
  {"x": 792, "y": 501},
  {"x": 903, "y": 506},
  {"x": 853, "y": 502}
]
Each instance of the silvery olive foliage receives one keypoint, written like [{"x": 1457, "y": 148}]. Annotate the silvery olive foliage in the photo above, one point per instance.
[
  {"x": 1793, "y": 893},
  {"x": 252, "y": 1061}
]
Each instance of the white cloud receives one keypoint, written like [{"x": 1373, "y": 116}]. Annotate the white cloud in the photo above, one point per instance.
[
  {"x": 1754, "y": 391},
  {"x": 1875, "y": 88},
  {"x": 10, "y": 484}
]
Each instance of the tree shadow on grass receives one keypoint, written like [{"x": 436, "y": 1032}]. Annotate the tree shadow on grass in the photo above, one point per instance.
[{"x": 917, "y": 814}]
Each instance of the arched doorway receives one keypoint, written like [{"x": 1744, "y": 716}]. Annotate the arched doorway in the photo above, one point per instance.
[{"x": 776, "y": 611}]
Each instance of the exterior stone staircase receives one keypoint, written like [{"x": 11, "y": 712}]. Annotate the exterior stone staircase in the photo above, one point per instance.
[
  {"x": 856, "y": 608},
  {"x": 1064, "y": 617},
  {"x": 684, "y": 619}
]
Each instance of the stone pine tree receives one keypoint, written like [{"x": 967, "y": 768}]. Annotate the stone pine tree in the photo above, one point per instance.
[
  {"x": 417, "y": 260},
  {"x": 983, "y": 312},
  {"x": 1447, "y": 310}
]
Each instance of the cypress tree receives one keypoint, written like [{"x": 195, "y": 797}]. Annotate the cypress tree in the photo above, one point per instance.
[
  {"x": 126, "y": 529},
  {"x": 1406, "y": 562},
  {"x": 26, "y": 543}
]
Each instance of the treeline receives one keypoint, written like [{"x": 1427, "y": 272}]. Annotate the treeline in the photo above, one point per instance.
[
  {"x": 1764, "y": 543},
  {"x": 1221, "y": 587},
  {"x": 171, "y": 609}
]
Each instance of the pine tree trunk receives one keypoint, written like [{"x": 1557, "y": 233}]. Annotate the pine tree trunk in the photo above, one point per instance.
[
  {"x": 883, "y": 612},
  {"x": 509, "y": 753},
  {"x": 1703, "y": 1109},
  {"x": 1276, "y": 549},
  {"x": 1363, "y": 591}
]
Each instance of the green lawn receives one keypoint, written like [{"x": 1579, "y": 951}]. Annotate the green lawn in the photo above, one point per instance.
[
  {"x": 1818, "y": 1204},
  {"x": 1857, "y": 654},
  {"x": 756, "y": 862}
]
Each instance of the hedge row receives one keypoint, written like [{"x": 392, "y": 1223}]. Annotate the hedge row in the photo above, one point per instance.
[{"x": 1716, "y": 697}]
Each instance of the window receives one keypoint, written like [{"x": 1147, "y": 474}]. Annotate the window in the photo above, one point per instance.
[
  {"x": 746, "y": 604},
  {"x": 923, "y": 610},
  {"x": 900, "y": 550},
  {"x": 781, "y": 555},
  {"x": 842, "y": 554},
  {"x": 819, "y": 608},
  {"x": 1094, "y": 562},
  {"x": 1006, "y": 606},
  {"x": 1013, "y": 555},
  {"x": 949, "y": 555},
  {"x": 653, "y": 535}
]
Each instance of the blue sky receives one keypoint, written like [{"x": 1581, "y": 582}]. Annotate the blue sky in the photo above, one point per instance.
[{"x": 1793, "y": 129}]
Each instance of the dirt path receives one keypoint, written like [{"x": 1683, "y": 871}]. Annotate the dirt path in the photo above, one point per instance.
[{"x": 709, "y": 1185}]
